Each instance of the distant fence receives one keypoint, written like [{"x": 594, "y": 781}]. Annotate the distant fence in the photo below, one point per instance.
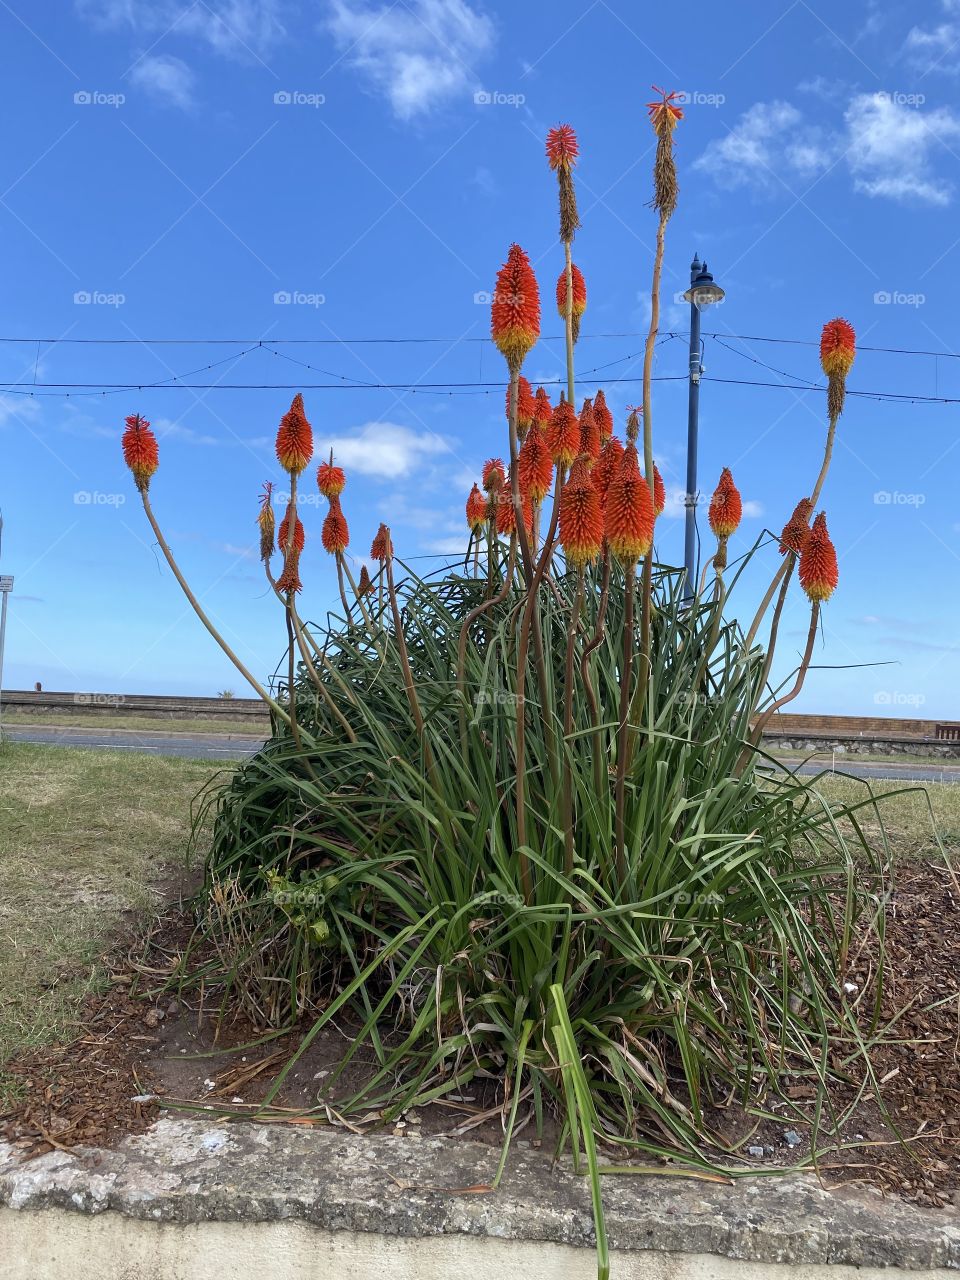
[
  {"x": 789, "y": 726},
  {"x": 161, "y": 706}
]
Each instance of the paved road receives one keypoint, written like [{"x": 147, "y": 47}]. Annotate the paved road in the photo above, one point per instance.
[
  {"x": 232, "y": 746},
  {"x": 195, "y": 746},
  {"x": 920, "y": 772}
]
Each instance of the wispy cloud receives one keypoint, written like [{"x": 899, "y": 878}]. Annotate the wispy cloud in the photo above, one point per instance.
[
  {"x": 936, "y": 47},
  {"x": 383, "y": 450},
  {"x": 234, "y": 28},
  {"x": 416, "y": 54},
  {"x": 166, "y": 79},
  {"x": 888, "y": 147}
]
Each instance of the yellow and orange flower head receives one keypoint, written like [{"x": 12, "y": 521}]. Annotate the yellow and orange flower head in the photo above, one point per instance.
[
  {"x": 330, "y": 480},
  {"x": 726, "y": 506},
  {"x": 818, "y": 562},
  {"x": 664, "y": 117},
  {"x": 266, "y": 522},
  {"x": 581, "y": 516},
  {"x": 542, "y": 408},
  {"x": 797, "y": 529},
  {"x": 140, "y": 451},
  {"x": 838, "y": 347},
  {"x": 289, "y": 580},
  {"x": 579, "y": 297},
  {"x": 294, "y": 438},
  {"x": 606, "y": 466},
  {"x": 603, "y": 416},
  {"x": 515, "y": 313},
  {"x": 506, "y": 517},
  {"x": 364, "y": 585},
  {"x": 284, "y": 533},
  {"x": 659, "y": 492},
  {"x": 334, "y": 535},
  {"x": 534, "y": 465},
  {"x": 493, "y": 475},
  {"x": 526, "y": 406},
  {"x": 589, "y": 432},
  {"x": 382, "y": 546},
  {"x": 563, "y": 434},
  {"x": 562, "y": 152},
  {"x": 628, "y": 512},
  {"x": 476, "y": 508}
]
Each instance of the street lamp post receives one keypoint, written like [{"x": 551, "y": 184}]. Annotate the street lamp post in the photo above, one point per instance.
[{"x": 702, "y": 292}]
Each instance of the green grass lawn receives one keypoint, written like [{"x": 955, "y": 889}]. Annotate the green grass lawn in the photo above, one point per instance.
[
  {"x": 84, "y": 838},
  {"x": 913, "y": 814},
  {"x": 154, "y": 724}
]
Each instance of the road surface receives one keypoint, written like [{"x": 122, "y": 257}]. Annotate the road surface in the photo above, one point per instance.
[
  {"x": 233, "y": 746},
  {"x": 194, "y": 746}
]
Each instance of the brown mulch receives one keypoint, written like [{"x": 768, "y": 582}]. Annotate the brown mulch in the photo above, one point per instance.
[{"x": 907, "y": 1142}]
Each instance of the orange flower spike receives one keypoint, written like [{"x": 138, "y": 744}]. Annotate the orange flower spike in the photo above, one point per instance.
[
  {"x": 294, "y": 438},
  {"x": 579, "y": 297},
  {"x": 289, "y": 580},
  {"x": 284, "y": 532},
  {"x": 726, "y": 506},
  {"x": 628, "y": 512},
  {"x": 382, "y": 546},
  {"x": 506, "y": 515},
  {"x": 140, "y": 451},
  {"x": 562, "y": 147},
  {"x": 606, "y": 466},
  {"x": 267, "y": 522},
  {"x": 534, "y": 465},
  {"x": 493, "y": 474},
  {"x": 364, "y": 586},
  {"x": 581, "y": 516},
  {"x": 330, "y": 480},
  {"x": 543, "y": 409},
  {"x": 664, "y": 113},
  {"x": 797, "y": 529},
  {"x": 526, "y": 406},
  {"x": 334, "y": 535},
  {"x": 603, "y": 416},
  {"x": 515, "y": 313},
  {"x": 562, "y": 152},
  {"x": 589, "y": 432},
  {"x": 563, "y": 435},
  {"x": 659, "y": 492},
  {"x": 838, "y": 348},
  {"x": 476, "y": 508},
  {"x": 819, "y": 573}
]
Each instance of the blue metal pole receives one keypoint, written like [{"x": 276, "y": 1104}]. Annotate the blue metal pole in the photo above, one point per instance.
[{"x": 693, "y": 423}]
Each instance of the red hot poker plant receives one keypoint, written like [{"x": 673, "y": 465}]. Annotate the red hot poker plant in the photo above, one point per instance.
[
  {"x": 579, "y": 297},
  {"x": 581, "y": 517},
  {"x": 819, "y": 572},
  {"x": 603, "y": 416},
  {"x": 563, "y": 435},
  {"x": 515, "y": 311},
  {"x": 294, "y": 438},
  {"x": 140, "y": 451}
]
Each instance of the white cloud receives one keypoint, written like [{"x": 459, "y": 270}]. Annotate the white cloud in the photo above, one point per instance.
[
  {"x": 936, "y": 48},
  {"x": 166, "y": 79},
  {"x": 383, "y": 450},
  {"x": 769, "y": 139},
  {"x": 168, "y": 430},
  {"x": 417, "y": 53},
  {"x": 888, "y": 146},
  {"x": 235, "y": 28},
  {"x": 18, "y": 408}
]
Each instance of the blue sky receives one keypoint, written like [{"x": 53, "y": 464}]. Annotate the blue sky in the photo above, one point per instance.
[{"x": 261, "y": 170}]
